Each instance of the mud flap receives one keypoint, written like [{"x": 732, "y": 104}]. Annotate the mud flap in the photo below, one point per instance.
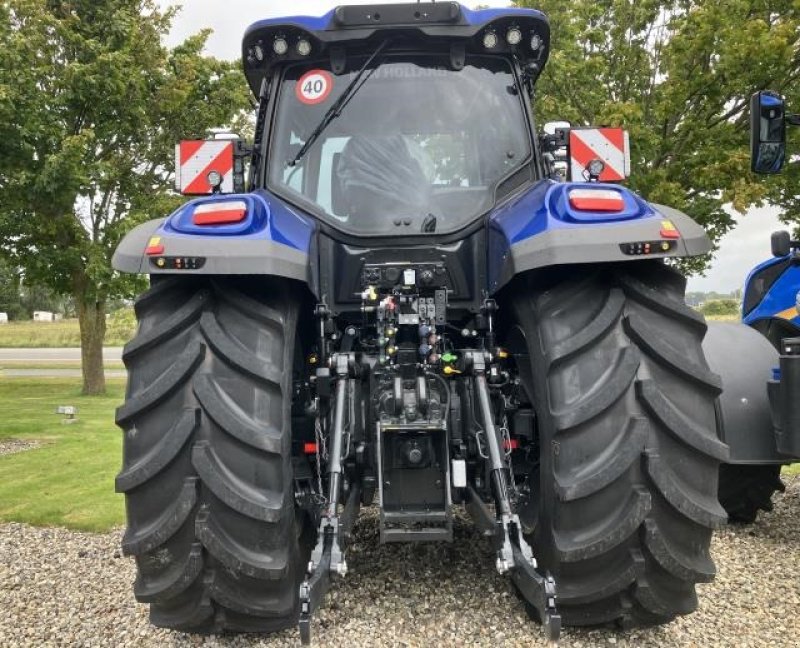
[{"x": 745, "y": 361}]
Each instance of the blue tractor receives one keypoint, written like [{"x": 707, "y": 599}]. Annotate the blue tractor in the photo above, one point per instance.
[
  {"x": 770, "y": 305},
  {"x": 402, "y": 305}
]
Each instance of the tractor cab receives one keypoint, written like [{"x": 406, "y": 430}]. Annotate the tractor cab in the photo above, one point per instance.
[{"x": 397, "y": 120}]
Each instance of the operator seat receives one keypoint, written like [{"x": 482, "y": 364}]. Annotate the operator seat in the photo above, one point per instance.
[{"x": 383, "y": 177}]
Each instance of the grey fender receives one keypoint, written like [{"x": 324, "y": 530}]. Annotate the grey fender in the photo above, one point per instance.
[
  {"x": 223, "y": 255},
  {"x": 601, "y": 244},
  {"x": 744, "y": 359}
]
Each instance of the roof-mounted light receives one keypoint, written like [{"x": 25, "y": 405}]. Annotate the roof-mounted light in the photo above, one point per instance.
[
  {"x": 514, "y": 36},
  {"x": 280, "y": 46},
  {"x": 490, "y": 40},
  {"x": 304, "y": 47}
]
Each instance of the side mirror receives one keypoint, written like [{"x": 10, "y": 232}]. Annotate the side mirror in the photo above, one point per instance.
[
  {"x": 213, "y": 166},
  {"x": 767, "y": 132},
  {"x": 781, "y": 243}
]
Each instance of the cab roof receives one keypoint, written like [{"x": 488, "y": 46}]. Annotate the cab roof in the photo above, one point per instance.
[{"x": 424, "y": 26}]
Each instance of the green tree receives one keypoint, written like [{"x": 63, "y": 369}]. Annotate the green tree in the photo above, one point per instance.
[
  {"x": 721, "y": 308},
  {"x": 10, "y": 292},
  {"x": 91, "y": 105},
  {"x": 678, "y": 76}
]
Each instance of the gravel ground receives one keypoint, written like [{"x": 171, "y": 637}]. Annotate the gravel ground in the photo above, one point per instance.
[
  {"x": 13, "y": 446},
  {"x": 63, "y": 588}
]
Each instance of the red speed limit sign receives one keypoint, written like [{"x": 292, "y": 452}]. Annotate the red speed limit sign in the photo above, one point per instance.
[{"x": 314, "y": 87}]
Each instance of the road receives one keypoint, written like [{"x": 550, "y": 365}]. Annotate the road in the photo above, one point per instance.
[{"x": 110, "y": 354}]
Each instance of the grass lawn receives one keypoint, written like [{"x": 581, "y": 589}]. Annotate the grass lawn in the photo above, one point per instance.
[
  {"x": 38, "y": 335},
  {"x": 53, "y": 364},
  {"x": 793, "y": 469},
  {"x": 69, "y": 481}
]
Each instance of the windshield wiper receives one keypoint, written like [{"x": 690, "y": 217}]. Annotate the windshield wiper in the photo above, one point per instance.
[{"x": 336, "y": 109}]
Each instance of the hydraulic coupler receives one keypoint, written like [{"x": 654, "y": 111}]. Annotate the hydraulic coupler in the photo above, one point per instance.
[
  {"x": 514, "y": 554},
  {"x": 327, "y": 557}
]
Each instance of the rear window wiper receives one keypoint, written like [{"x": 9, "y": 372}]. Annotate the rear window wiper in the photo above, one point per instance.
[{"x": 336, "y": 109}]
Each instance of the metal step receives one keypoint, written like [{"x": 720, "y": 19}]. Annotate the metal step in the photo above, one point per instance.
[
  {"x": 410, "y": 517},
  {"x": 423, "y": 534}
]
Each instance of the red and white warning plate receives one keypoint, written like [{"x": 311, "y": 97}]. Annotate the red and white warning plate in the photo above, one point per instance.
[
  {"x": 609, "y": 145},
  {"x": 196, "y": 159}
]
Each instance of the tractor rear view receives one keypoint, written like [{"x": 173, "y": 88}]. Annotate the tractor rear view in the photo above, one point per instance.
[{"x": 405, "y": 307}]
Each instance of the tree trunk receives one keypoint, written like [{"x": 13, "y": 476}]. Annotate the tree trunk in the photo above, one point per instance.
[{"x": 92, "y": 320}]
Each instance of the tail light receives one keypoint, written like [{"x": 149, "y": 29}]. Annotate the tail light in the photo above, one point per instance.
[
  {"x": 220, "y": 213},
  {"x": 596, "y": 200}
]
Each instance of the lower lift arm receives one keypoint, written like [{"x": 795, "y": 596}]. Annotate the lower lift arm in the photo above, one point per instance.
[
  {"x": 327, "y": 557},
  {"x": 514, "y": 554}
]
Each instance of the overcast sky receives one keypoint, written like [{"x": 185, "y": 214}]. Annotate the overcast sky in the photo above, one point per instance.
[{"x": 739, "y": 251}]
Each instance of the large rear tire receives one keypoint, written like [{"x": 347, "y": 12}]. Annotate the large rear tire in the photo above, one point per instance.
[
  {"x": 207, "y": 471},
  {"x": 624, "y": 499},
  {"x": 744, "y": 490}
]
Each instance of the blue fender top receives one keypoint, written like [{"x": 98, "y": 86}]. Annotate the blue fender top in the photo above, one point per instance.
[
  {"x": 271, "y": 238},
  {"x": 267, "y": 218},
  {"x": 541, "y": 228}
]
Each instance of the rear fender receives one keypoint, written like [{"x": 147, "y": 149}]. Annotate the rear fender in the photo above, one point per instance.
[
  {"x": 540, "y": 228},
  {"x": 270, "y": 239},
  {"x": 745, "y": 360}
]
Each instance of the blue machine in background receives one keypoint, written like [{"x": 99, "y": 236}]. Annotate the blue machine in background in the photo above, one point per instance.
[
  {"x": 770, "y": 306},
  {"x": 772, "y": 292}
]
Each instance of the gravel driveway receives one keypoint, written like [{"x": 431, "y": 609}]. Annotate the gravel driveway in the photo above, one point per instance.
[{"x": 63, "y": 588}]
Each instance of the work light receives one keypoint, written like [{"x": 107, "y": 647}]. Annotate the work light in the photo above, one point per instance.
[
  {"x": 280, "y": 46},
  {"x": 214, "y": 178},
  {"x": 596, "y": 167}
]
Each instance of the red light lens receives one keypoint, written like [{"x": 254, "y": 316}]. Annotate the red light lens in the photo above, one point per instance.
[
  {"x": 220, "y": 213},
  {"x": 596, "y": 200}
]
